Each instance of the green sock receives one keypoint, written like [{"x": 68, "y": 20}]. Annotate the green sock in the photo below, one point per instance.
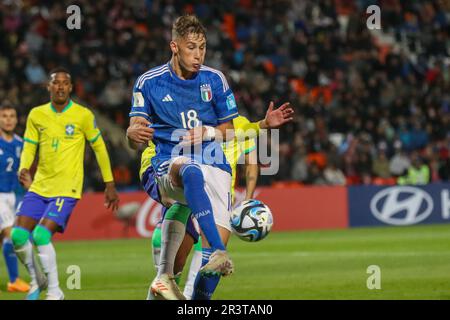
[{"x": 156, "y": 246}]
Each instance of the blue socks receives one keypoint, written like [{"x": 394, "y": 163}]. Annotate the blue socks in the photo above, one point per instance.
[
  {"x": 204, "y": 287},
  {"x": 200, "y": 204},
  {"x": 10, "y": 259}
]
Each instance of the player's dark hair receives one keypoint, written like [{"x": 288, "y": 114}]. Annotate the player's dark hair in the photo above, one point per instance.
[
  {"x": 187, "y": 24},
  {"x": 58, "y": 70},
  {"x": 7, "y": 105}
]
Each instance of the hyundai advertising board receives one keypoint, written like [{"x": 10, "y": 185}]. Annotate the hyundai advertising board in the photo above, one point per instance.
[{"x": 399, "y": 205}]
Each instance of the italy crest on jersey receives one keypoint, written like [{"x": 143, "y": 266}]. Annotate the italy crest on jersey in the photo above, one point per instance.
[{"x": 206, "y": 92}]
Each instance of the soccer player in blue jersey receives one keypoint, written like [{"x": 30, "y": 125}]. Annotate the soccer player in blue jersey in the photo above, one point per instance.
[
  {"x": 184, "y": 94},
  {"x": 10, "y": 149},
  {"x": 242, "y": 144}
]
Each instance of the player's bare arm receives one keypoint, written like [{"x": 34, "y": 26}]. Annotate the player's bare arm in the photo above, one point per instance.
[
  {"x": 275, "y": 118},
  {"x": 25, "y": 178},
  {"x": 111, "y": 196},
  {"x": 223, "y": 132},
  {"x": 251, "y": 173},
  {"x": 138, "y": 132}
]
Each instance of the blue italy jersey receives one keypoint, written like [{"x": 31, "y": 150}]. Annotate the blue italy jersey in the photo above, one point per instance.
[
  {"x": 174, "y": 105},
  {"x": 9, "y": 163}
]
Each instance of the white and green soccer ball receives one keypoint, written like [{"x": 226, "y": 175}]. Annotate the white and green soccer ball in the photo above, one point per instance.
[{"x": 252, "y": 220}]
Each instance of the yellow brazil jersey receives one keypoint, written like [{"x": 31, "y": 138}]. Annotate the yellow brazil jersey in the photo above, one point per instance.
[
  {"x": 233, "y": 149},
  {"x": 60, "y": 137},
  {"x": 146, "y": 158}
]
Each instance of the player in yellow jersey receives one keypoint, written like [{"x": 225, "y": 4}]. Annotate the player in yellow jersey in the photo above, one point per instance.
[
  {"x": 243, "y": 144},
  {"x": 59, "y": 130}
]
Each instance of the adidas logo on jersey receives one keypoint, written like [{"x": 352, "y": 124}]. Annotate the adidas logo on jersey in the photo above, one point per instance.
[{"x": 167, "y": 98}]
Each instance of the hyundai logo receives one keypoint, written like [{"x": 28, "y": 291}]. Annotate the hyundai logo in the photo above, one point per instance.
[{"x": 401, "y": 206}]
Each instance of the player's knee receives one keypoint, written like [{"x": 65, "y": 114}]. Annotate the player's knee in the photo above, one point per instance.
[
  {"x": 41, "y": 236},
  {"x": 191, "y": 173},
  {"x": 156, "y": 238},
  {"x": 166, "y": 201},
  {"x": 19, "y": 236},
  {"x": 175, "y": 171},
  {"x": 178, "y": 212}
]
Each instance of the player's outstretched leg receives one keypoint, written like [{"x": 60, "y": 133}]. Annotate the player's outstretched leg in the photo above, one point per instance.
[
  {"x": 47, "y": 255},
  {"x": 205, "y": 284},
  {"x": 10, "y": 260},
  {"x": 24, "y": 251},
  {"x": 156, "y": 246},
  {"x": 172, "y": 230},
  {"x": 156, "y": 251},
  {"x": 182, "y": 254},
  {"x": 15, "y": 284},
  {"x": 200, "y": 204},
  {"x": 196, "y": 264},
  {"x": 206, "y": 281}
]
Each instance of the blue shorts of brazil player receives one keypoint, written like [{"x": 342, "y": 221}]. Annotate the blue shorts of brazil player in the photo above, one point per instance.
[
  {"x": 150, "y": 186},
  {"x": 57, "y": 209}
]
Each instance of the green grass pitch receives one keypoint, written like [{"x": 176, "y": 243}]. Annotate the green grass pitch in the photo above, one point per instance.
[{"x": 414, "y": 264}]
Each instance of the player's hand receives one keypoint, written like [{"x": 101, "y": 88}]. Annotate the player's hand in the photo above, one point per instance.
[
  {"x": 111, "y": 197},
  {"x": 278, "y": 117},
  {"x": 25, "y": 178},
  {"x": 140, "y": 133},
  {"x": 193, "y": 136}
]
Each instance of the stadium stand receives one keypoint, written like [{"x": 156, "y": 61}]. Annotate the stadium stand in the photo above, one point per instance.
[{"x": 366, "y": 102}]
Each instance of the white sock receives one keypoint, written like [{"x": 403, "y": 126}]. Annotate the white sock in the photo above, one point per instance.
[
  {"x": 25, "y": 255},
  {"x": 47, "y": 255},
  {"x": 172, "y": 235},
  {"x": 156, "y": 257},
  {"x": 196, "y": 264}
]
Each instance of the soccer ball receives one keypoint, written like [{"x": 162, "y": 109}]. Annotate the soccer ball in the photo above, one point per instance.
[{"x": 251, "y": 220}]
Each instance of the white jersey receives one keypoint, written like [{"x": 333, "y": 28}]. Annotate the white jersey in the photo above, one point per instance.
[{"x": 7, "y": 209}]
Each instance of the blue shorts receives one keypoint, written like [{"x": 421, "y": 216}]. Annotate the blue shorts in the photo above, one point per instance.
[
  {"x": 150, "y": 186},
  {"x": 57, "y": 209}
]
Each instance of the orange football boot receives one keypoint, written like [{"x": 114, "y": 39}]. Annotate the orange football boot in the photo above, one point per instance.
[{"x": 18, "y": 286}]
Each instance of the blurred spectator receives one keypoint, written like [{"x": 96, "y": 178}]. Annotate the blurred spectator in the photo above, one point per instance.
[
  {"x": 35, "y": 73},
  {"x": 315, "y": 175},
  {"x": 444, "y": 170},
  {"x": 122, "y": 176},
  {"x": 399, "y": 162},
  {"x": 299, "y": 170},
  {"x": 380, "y": 166},
  {"x": 333, "y": 175},
  {"x": 418, "y": 173},
  {"x": 364, "y": 164}
]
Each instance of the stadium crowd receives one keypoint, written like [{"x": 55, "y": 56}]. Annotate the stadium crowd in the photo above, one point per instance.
[{"x": 371, "y": 106}]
